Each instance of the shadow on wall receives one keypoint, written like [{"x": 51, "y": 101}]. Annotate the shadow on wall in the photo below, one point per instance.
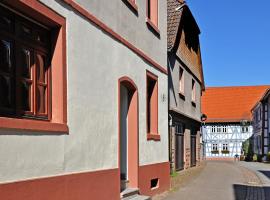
[
  {"x": 244, "y": 192},
  {"x": 171, "y": 65},
  {"x": 191, "y": 33}
]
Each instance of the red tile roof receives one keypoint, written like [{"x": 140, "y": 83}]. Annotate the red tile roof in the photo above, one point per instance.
[
  {"x": 231, "y": 104},
  {"x": 173, "y": 19}
]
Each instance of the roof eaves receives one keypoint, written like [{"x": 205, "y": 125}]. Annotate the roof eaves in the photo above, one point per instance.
[{"x": 264, "y": 96}]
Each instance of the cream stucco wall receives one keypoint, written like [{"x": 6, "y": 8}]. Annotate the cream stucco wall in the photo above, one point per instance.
[
  {"x": 95, "y": 62},
  {"x": 132, "y": 26}
]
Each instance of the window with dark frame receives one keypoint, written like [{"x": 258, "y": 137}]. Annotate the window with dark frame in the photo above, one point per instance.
[
  {"x": 225, "y": 147},
  {"x": 244, "y": 129},
  {"x": 152, "y": 104},
  {"x": 214, "y": 147},
  {"x": 179, "y": 128},
  {"x": 24, "y": 67}
]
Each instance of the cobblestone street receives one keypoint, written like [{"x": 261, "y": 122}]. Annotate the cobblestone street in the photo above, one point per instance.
[{"x": 226, "y": 181}]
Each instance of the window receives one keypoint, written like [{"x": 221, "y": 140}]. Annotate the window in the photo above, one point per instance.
[
  {"x": 152, "y": 104},
  {"x": 152, "y": 14},
  {"x": 213, "y": 129},
  {"x": 244, "y": 129},
  {"x": 181, "y": 80},
  {"x": 179, "y": 128},
  {"x": 225, "y": 147},
  {"x": 32, "y": 67},
  {"x": 24, "y": 67},
  {"x": 214, "y": 147},
  {"x": 224, "y": 129},
  {"x": 219, "y": 129},
  {"x": 193, "y": 92}
]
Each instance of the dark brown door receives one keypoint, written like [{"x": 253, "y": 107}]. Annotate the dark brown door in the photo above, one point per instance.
[
  {"x": 179, "y": 146},
  {"x": 179, "y": 151},
  {"x": 193, "y": 150}
]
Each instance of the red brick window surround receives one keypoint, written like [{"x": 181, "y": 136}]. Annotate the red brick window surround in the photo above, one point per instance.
[
  {"x": 152, "y": 14},
  {"x": 152, "y": 106},
  {"x": 32, "y": 67}
]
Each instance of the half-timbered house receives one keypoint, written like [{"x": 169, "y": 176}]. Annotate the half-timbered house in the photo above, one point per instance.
[
  {"x": 261, "y": 123},
  {"x": 229, "y": 120}
]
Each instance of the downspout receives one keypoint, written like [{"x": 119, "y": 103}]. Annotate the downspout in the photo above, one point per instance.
[{"x": 170, "y": 143}]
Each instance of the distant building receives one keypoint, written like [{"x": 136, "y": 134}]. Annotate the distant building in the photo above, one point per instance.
[
  {"x": 186, "y": 83},
  {"x": 228, "y": 119},
  {"x": 261, "y": 124}
]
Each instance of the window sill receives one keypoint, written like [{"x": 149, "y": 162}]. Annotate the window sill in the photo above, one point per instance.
[
  {"x": 182, "y": 95},
  {"x": 32, "y": 125},
  {"x": 152, "y": 26},
  {"x": 151, "y": 136},
  {"x": 133, "y": 5},
  {"x": 193, "y": 103}
]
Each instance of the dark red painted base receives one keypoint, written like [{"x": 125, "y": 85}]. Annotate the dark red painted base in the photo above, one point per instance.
[
  {"x": 99, "y": 185},
  {"x": 149, "y": 172}
]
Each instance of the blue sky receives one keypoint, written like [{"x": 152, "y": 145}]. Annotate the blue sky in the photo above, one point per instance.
[{"x": 235, "y": 41}]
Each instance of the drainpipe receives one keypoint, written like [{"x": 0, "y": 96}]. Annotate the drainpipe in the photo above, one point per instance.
[{"x": 170, "y": 143}]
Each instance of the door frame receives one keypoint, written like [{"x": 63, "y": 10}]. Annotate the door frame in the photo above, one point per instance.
[{"x": 133, "y": 132}]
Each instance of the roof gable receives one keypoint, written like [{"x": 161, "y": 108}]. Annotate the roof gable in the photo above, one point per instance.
[{"x": 183, "y": 37}]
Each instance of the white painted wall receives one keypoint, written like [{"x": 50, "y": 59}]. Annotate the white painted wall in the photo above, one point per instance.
[{"x": 95, "y": 63}]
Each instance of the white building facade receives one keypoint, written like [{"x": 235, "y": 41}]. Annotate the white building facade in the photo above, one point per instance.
[{"x": 224, "y": 140}]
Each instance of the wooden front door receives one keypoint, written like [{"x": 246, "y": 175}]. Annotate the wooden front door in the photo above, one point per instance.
[
  {"x": 179, "y": 146},
  {"x": 179, "y": 151},
  {"x": 193, "y": 150}
]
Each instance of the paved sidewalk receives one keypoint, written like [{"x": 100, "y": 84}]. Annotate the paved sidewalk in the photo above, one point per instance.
[
  {"x": 222, "y": 180},
  {"x": 262, "y": 170}
]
